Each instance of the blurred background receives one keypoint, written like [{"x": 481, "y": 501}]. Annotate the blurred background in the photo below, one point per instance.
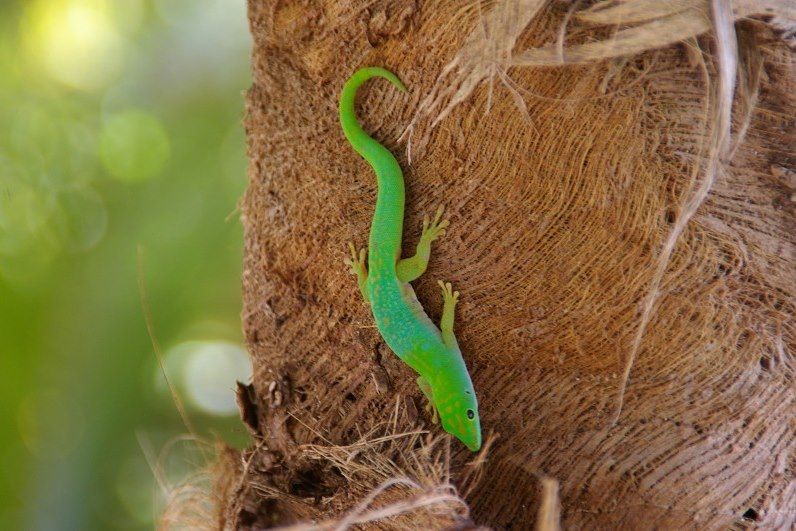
[{"x": 122, "y": 158}]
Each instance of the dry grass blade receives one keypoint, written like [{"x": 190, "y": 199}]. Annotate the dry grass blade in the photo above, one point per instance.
[{"x": 549, "y": 518}]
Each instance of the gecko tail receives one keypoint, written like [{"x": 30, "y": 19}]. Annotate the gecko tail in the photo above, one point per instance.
[
  {"x": 384, "y": 246},
  {"x": 348, "y": 117}
]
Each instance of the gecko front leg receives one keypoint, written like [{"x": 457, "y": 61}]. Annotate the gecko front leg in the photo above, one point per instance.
[
  {"x": 410, "y": 269},
  {"x": 358, "y": 268}
]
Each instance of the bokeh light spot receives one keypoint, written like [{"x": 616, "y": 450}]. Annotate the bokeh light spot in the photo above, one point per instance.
[
  {"x": 83, "y": 218},
  {"x": 128, "y": 15},
  {"x": 134, "y": 146},
  {"x": 209, "y": 370},
  {"x": 76, "y": 42},
  {"x": 82, "y": 160},
  {"x": 24, "y": 210},
  {"x": 33, "y": 133},
  {"x": 50, "y": 424}
]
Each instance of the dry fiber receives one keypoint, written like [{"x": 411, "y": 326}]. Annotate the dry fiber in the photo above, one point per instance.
[{"x": 620, "y": 181}]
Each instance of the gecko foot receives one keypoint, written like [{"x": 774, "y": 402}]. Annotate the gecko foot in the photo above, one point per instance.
[
  {"x": 357, "y": 262},
  {"x": 449, "y": 296},
  {"x": 436, "y": 228},
  {"x": 431, "y": 410},
  {"x": 430, "y": 407},
  {"x": 357, "y": 265}
]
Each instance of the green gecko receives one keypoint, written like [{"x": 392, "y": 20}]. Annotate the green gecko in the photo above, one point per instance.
[{"x": 433, "y": 353}]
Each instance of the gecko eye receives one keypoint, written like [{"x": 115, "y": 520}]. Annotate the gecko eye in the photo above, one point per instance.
[{"x": 470, "y": 414}]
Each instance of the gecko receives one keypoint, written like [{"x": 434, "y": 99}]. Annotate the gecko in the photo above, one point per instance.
[{"x": 431, "y": 352}]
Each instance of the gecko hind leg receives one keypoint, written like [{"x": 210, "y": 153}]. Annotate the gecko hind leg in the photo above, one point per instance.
[
  {"x": 357, "y": 264},
  {"x": 431, "y": 407},
  {"x": 410, "y": 269},
  {"x": 450, "y": 298}
]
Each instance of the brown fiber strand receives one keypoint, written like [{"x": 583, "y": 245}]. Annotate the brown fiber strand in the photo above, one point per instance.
[
  {"x": 622, "y": 232},
  {"x": 718, "y": 135}
]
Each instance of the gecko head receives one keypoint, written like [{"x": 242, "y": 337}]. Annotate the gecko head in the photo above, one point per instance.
[{"x": 459, "y": 417}]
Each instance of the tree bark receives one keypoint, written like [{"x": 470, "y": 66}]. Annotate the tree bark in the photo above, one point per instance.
[{"x": 622, "y": 235}]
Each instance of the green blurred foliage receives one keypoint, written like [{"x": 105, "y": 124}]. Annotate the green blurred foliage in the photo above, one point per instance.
[{"x": 121, "y": 157}]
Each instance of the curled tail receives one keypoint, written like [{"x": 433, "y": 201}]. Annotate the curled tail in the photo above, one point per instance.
[
  {"x": 387, "y": 227},
  {"x": 348, "y": 116}
]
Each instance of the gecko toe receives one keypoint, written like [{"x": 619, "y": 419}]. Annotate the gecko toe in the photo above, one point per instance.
[{"x": 438, "y": 214}]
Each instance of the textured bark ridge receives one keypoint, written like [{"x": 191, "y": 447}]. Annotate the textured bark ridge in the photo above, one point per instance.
[{"x": 622, "y": 234}]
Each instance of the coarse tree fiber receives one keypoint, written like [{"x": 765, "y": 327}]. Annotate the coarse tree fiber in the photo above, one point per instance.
[{"x": 619, "y": 177}]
